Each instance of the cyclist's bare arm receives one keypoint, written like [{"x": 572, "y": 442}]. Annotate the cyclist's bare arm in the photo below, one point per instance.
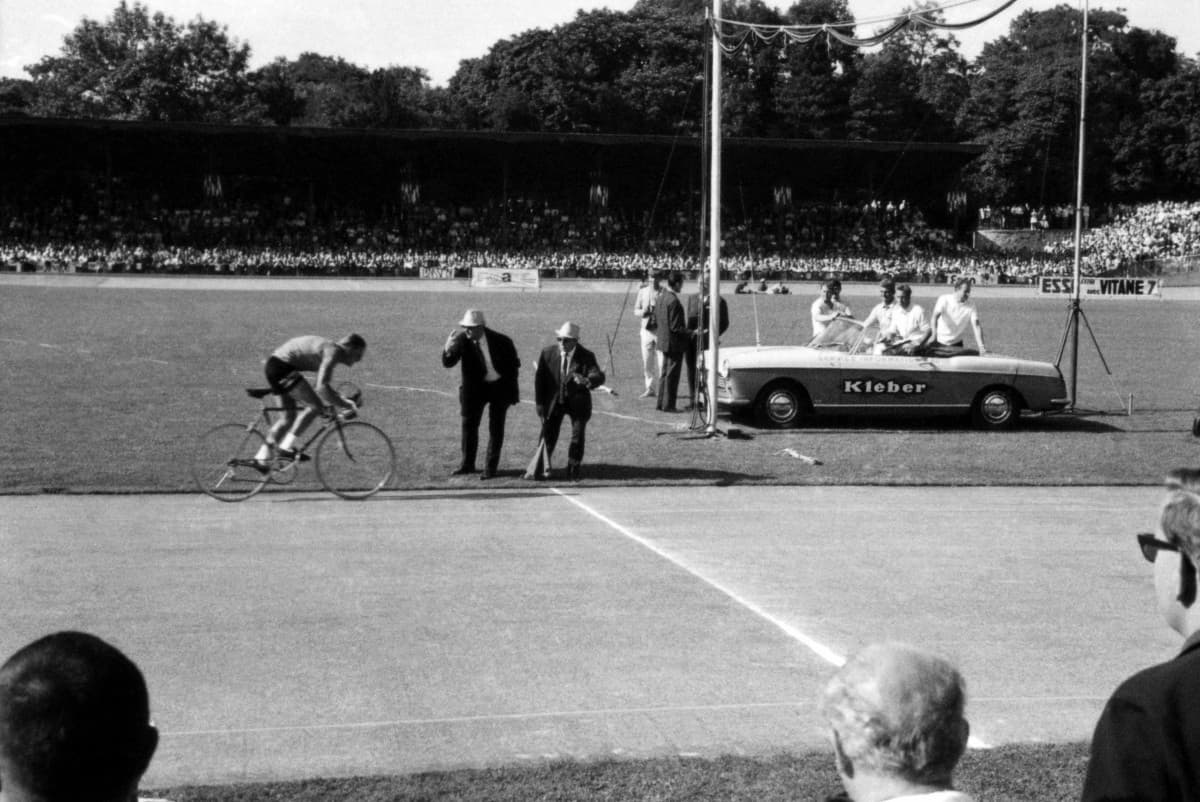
[{"x": 330, "y": 359}]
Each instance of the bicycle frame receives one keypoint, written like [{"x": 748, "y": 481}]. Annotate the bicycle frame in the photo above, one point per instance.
[{"x": 268, "y": 422}]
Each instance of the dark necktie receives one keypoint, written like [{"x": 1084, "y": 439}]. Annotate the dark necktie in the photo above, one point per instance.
[{"x": 562, "y": 375}]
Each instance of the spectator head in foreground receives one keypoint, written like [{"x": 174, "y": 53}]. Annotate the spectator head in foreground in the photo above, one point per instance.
[
  {"x": 896, "y": 714},
  {"x": 74, "y": 722},
  {"x": 1144, "y": 743},
  {"x": 1176, "y": 553}
]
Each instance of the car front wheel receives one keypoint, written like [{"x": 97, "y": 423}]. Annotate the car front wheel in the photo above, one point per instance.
[
  {"x": 996, "y": 408},
  {"x": 780, "y": 405}
]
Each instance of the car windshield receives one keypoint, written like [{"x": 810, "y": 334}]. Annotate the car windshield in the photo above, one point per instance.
[{"x": 846, "y": 335}]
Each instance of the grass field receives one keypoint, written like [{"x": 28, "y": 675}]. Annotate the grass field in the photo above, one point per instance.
[
  {"x": 1044, "y": 774},
  {"x": 107, "y": 388}
]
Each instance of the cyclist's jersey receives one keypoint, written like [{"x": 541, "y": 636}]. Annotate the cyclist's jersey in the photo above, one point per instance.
[{"x": 303, "y": 353}]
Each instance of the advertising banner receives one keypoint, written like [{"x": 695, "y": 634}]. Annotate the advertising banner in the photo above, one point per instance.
[
  {"x": 506, "y": 278},
  {"x": 1094, "y": 287}
]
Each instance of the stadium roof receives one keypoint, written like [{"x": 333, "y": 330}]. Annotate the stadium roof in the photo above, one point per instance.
[{"x": 513, "y": 160}]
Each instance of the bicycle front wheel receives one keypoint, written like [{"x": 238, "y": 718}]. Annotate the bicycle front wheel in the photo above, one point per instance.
[
  {"x": 355, "y": 459},
  {"x": 223, "y": 462}
]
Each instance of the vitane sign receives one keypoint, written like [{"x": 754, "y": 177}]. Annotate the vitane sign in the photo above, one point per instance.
[{"x": 1093, "y": 287}]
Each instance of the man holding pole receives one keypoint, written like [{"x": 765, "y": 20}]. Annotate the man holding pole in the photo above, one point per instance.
[{"x": 562, "y": 384}]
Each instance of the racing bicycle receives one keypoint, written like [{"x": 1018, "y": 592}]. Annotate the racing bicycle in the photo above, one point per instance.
[{"x": 353, "y": 459}]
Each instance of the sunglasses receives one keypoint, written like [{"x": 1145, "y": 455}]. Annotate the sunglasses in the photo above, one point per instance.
[{"x": 1151, "y": 546}]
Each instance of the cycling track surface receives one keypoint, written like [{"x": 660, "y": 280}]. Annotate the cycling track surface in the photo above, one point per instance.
[{"x": 299, "y": 635}]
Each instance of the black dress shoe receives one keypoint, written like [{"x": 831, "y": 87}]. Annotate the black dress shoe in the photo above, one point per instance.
[{"x": 462, "y": 470}]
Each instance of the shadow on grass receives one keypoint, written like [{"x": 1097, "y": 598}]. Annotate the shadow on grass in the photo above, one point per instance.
[
  {"x": 654, "y": 474},
  {"x": 1056, "y": 422}
]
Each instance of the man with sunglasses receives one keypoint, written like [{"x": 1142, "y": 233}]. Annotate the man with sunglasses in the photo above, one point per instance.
[{"x": 1147, "y": 742}]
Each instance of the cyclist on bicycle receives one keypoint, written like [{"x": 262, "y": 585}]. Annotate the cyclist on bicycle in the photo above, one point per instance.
[{"x": 284, "y": 374}]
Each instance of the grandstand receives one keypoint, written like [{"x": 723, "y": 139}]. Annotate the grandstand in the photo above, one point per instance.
[
  {"x": 137, "y": 196},
  {"x": 111, "y": 196}
]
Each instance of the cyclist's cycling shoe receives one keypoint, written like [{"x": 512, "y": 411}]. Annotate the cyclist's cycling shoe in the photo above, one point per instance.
[
  {"x": 261, "y": 466},
  {"x": 293, "y": 456}
]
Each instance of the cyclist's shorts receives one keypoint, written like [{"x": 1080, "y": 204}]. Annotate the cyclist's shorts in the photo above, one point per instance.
[{"x": 281, "y": 376}]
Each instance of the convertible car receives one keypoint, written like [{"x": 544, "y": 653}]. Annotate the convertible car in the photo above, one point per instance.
[{"x": 842, "y": 371}]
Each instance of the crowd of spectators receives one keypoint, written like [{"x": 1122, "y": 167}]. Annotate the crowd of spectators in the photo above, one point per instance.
[
  {"x": 783, "y": 241},
  {"x": 1137, "y": 234}
]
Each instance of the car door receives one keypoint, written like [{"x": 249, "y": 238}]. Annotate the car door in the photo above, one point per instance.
[{"x": 867, "y": 384}]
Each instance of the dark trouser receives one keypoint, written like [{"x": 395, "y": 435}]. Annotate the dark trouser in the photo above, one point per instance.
[
  {"x": 578, "y": 429},
  {"x": 668, "y": 382},
  {"x": 689, "y": 361},
  {"x": 472, "y": 415}
]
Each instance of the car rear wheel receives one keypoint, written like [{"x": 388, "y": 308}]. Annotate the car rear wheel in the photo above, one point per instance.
[
  {"x": 996, "y": 408},
  {"x": 780, "y": 405}
]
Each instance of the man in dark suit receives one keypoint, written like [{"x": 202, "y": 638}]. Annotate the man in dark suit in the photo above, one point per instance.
[
  {"x": 696, "y": 304},
  {"x": 566, "y": 374},
  {"x": 489, "y": 378},
  {"x": 1145, "y": 743},
  {"x": 673, "y": 339}
]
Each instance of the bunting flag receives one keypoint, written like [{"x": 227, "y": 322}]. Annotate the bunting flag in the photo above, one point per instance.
[
  {"x": 732, "y": 35},
  {"x": 212, "y": 186}
]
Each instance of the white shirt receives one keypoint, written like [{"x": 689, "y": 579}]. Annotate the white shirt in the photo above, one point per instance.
[
  {"x": 954, "y": 317},
  {"x": 645, "y": 303},
  {"x": 883, "y": 314},
  {"x": 907, "y": 322},
  {"x": 823, "y": 312},
  {"x": 934, "y": 796}
]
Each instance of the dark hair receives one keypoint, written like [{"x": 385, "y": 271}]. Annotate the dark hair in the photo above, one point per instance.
[
  {"x": 354, "y": 341},
  {"x": 676, "y": 277},
  {"x": 74, "y": 718}
]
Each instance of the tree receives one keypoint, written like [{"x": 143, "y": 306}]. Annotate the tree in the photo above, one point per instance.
[
  {"x": 912, "y": 88},
  {"x": 603, "y": 71},
  {"x": 813, "y": 94},
  {"x": 1159, "y": 153},
  {"x": 276, "y": 89},
  {"x": 16, "y": 96},
  {"x": 751, "y": 76},
  {"x": 143, "y": 66},
  {"x": 1024, "y": 106}
]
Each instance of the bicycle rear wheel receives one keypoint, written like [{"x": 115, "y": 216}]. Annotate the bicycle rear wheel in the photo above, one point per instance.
[
  {"x": 223, "y": 462},
  {"x": 355, "y": 459}
]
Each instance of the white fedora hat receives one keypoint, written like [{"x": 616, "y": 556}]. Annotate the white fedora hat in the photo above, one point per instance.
[
  {"x": 472, "y": 317},
  {"x": 567, "y": 330}
]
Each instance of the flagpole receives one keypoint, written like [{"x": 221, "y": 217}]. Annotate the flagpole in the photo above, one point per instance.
[
  {"x": 1078, "y": 272},
  {"x": 714, "y": 224}
]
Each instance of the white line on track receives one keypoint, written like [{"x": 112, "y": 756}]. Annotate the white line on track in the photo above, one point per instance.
[
  {"x": 816, "y": 647},
  {"x": 412, "y": 722},
  {"x": 821, "y": 650}
]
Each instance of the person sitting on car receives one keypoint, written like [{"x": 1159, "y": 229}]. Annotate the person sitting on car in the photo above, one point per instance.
[
  {"x": 828, "y": 307},
  {"x": 953, "y": 314},
  {"x": 907, "y": 330}
]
